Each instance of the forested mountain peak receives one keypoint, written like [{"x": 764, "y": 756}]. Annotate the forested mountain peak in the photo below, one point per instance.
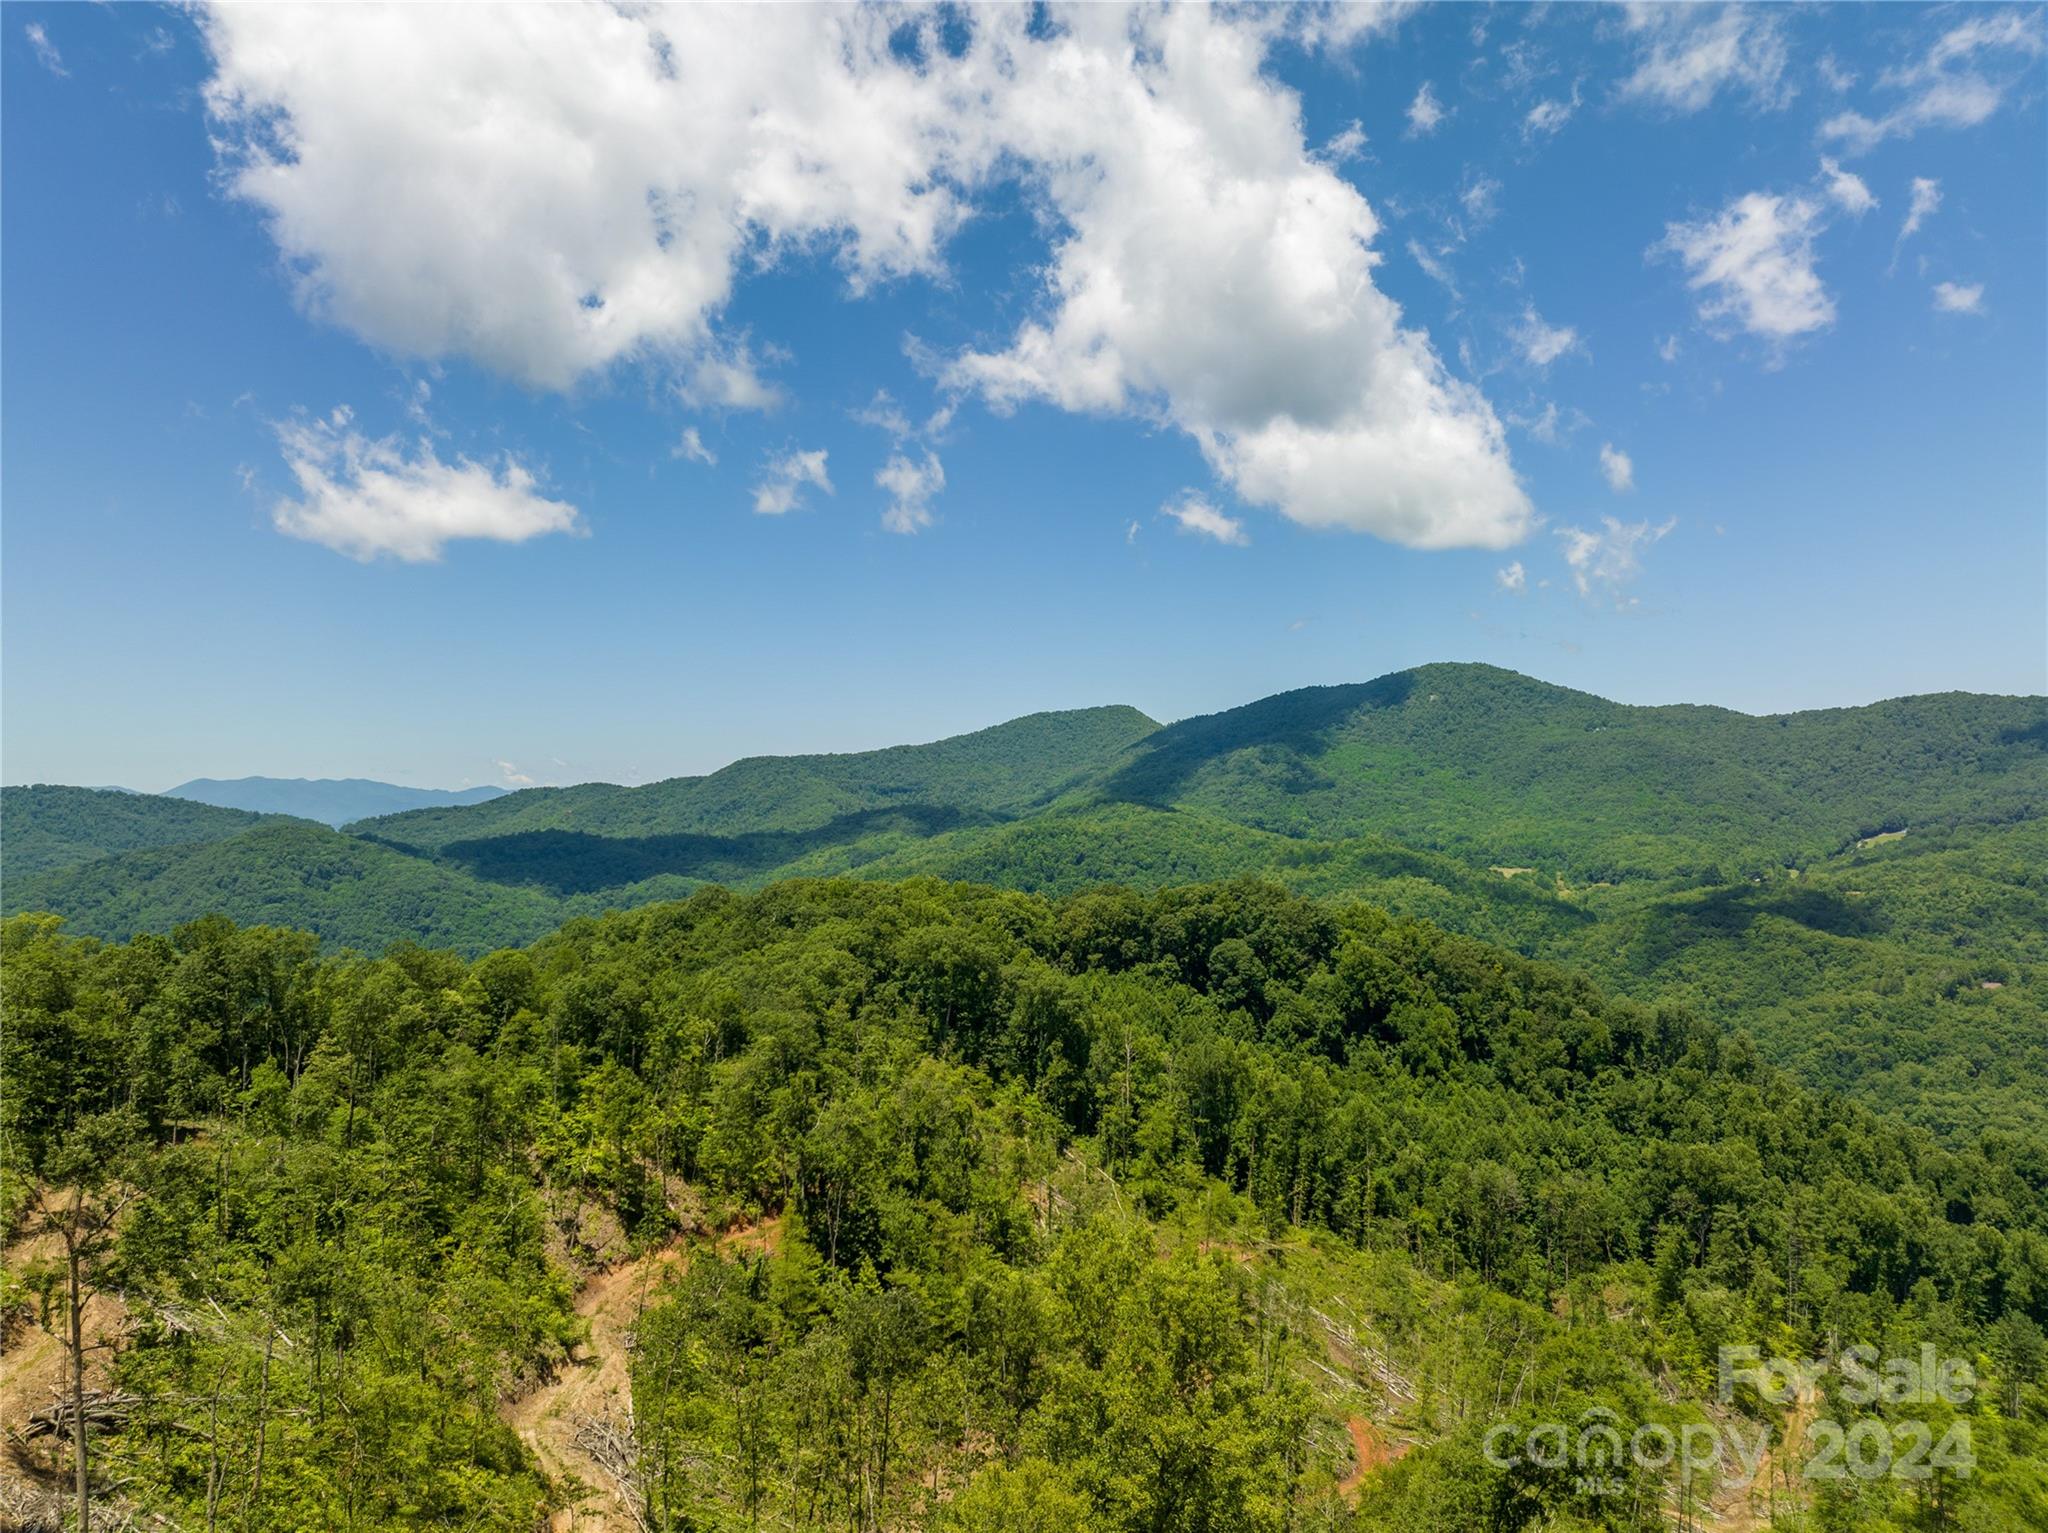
[
  {"x": 1501, "y": 768},
  {"x": 995, "y": 772}
]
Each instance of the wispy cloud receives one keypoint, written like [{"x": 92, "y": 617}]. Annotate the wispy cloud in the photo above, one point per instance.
[
  {"x": 1688, "y": 54},
  {"x": 1925, "y": 202},
  {"x": 1541, "y": 343},
  {"x": 1549, "y": 116},
  {"x": 785, "y": 476},
  {"x": 1346, "y": 144},
  {"x": 1552, "y": 424},
  {"x": 727, "y": 378},
  {"x": 692, "y": 448},
  {"x": 1425, "y": 112},
  {"x": 1605, "y": 562},
  {"x": 46, "y": 51},
  {"x": 1961, "y": 80},
  {"x": 1512, "y": 577},
  {"x": 1846, "y": 189},
  {"x": 1617, "y": 468},
  {"x": 1481, "y": 200},
  {"x": 1195, "y": 514},
  {"x": 1959, "y": 298},
  {"x": 1433, "y": 268},
  {"x": 911, "y": 484}
]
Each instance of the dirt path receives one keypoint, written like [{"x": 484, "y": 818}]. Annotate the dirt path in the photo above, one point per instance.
[
  {"x": 595, "y": 1383},
  {"x": 1370, "y": 1450},
  {"x": 1752, "y": 1506},
  {"x": 597, "y": 1380}
]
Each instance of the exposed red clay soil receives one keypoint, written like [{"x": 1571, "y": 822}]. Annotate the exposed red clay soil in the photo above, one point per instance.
[{"x": 1370, "y": 1451}]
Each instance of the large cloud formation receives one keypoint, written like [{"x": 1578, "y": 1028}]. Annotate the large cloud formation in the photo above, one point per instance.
[{"x": 554, "y": 190}]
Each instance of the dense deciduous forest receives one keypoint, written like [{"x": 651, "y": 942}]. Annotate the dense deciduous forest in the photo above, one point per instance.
[
  {"x": 1842, "y": 884},
  {"x": 50, "y": 827},
  {"x": 1215, "y": 1208}
]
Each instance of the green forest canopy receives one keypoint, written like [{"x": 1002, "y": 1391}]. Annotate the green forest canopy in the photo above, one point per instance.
[
  {"x": 1107, "y": 1212},
  {"x": 1843, "y": 884}
]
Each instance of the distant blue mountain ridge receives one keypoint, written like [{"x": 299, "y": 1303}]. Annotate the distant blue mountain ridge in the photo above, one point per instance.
[{"x": 331, "y": 800}]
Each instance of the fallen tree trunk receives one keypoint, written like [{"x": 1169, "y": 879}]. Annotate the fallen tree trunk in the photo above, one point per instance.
[{"x": 104, "y": 1411}]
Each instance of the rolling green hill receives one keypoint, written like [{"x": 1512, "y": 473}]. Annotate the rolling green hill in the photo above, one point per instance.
[
  {"x": 1498, "y": 768},
  {"x": 1842, "y": 883},
  {"x": 992, "y": 774},
  {"x": 1488, "y": 767},
  {"x": 45, "y": 826},
  {"x": 354, "y": 893}
]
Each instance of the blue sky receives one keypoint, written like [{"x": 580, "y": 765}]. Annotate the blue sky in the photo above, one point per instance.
[{"x": 446, "y": 402}]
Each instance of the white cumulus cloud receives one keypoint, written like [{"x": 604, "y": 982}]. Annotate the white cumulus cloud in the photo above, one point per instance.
[
  {"x": 556, "y": 190},
  {"x": 785, "y": 476},
  {"x": 365, "y": 496},
  {"x": 1194, "y": 514},
  {"x": 1212, "y": 275},
  {"x": 1752, "y": 265},
  {"x": 1618, "y": 469},
  {"x": 1512, "y": 577},
  {"x": 550, "y": 189}
]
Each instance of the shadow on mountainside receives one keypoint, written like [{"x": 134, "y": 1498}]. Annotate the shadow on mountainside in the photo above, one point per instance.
[
  {"x": 567, "y": 862},
  {"x": 1294, "y": 722},
  {"x": 1728, "y": 913}
]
